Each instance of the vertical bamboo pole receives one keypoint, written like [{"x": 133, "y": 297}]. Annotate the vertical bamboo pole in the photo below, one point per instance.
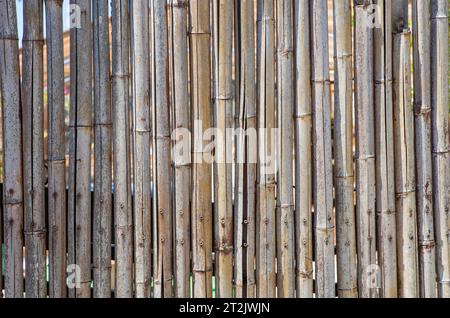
[
  {"x": 80, "y": 130},
  {"x": 285, "y": 211},
  {"x": 163, "y": 267},
  {"x": 405, "y": 169},
  {"x": 303, "y": 152},
  {"x": 223, "y": 171},
  {"x": 182, "y": 161},
  {"x": 201, "y": 170},
  {"x": 385, "y": 178},
  {"x": 322, "y": 157},
  {"x": 33, "y": 146},
  {"x": 266, "y": 205},
  {"x": 140, "y": 46},
  {"x": 422, "y": 111},
  {"x": 123, "y": 222},
  {"x": 56, "y": 150},
  {"x": 440, "y": 141},
  {"x": 343, "y": 151},
  {"x": 103, "y": 150},
  {"x": 12, "y": 150},
  {"x": 365, "y": 151}
]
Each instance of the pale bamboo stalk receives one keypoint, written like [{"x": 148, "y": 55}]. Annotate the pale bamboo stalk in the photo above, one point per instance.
[
  {"x": 285, "y": 107},
  {"x": 365, "y": 151},
  {"x": 440, "y": 141},
  {"x": 223, "y": 168},
  {"x": 103, "y": 150},
  {"x": 12, "y": 150},
  {"x": 266, "y": 205},
  {"x": 182, "y": 161},
  {"x": 201, "y": 169},
  {"x": 163, "y": 247},
  {"x": 343, "y": 151},
  {"x": 33, "y": 146},
  {"x": 405, "y": 187},
  {"x": 422, "y": 111},
  {"x": 322, "y": 153},
  {"x": 303, "y": 152},
  {"x": 123, "y": 222},
  {"x": 140, "y": 46},
  {"x": 385, "y": 178},
  {"x": 56, "y": 150},
  {"x": 80, "y": 130}
]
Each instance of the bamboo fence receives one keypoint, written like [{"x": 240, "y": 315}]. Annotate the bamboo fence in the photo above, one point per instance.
[{"x": 225, "y": 148}]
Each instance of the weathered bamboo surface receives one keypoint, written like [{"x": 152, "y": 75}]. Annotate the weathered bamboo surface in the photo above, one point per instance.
[{"x": 217, "y": 148}]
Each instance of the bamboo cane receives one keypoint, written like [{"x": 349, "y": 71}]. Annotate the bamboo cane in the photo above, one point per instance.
[
  {"x": 385, "y": 180},
  {"x": 223, "y": 168},
  {"x": 422, "y": 111},
  {"x": 285, "y": 80},
  {"x": 404, "y": 169},
  {"x": 123, "y": 222},
  {"x": 322, "y": 157},
  {"x": 266, "y": 206},
  {"x": 440, "y": 141},
  {"x": 343, "y": 152},
  {"x": 163, "y": 267},
  {"x": 103, "y": 150},
  {"x": 33, "y": 145},
  {"x": 80, "y": 130},
  {"x": 365, "y": 152},
  {"x": 142, "y": 128},
  {"x": 201, "y": 170},
  {"x": 12, "y": 150}
]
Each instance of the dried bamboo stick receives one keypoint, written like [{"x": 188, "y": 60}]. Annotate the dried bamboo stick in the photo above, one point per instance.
[
  {"x": 201, "y": 169},
  {"x": 405, "y": 187},
  {"x": 322, "y": 153},
  {"x": 365, "y": 151},
  {"x": 123, "y": 223},
  {"x": 343, "y": 151},
  {"x": 422, "y": 111},
  {"x": 385, "y": 178},
  {"x": 103, "y": 150},
  {"x": 163, "y": 267},
  {"x": 140, "y": 46},
  {"x": 223, "y": 168},
  {"x": 80, "y": 130},
  {"x": 266, "y": 205},
  {"x": 285, "y": 105},
  {"x": 440, "y": 141},
  {"x": 183, "y": 162},
  {"x": 33, "y": 146},
  {"x": 12, "y": 150}
]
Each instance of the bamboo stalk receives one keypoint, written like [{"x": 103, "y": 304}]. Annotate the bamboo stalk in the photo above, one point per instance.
[
  {"x": 385, "y": 180},
  {"x": 365, "y": 151},
  {"x": 440, "y": 141},
  {"x": 285, "y": 211},
  {"x": 183, "y": 162},
  {"x": 80, "y": 130},
  {"x": 422, "y": 111},
  {"x": 201, "y": 169},
  {"x": 266, "y": 205},
  {"x": 405, "y": 170},
  {"x": 163, "y": 267},
  {"x": 123, "y": 222},
  {"x": 12, "y": 150},
  {"x": 103, "y": 150},
  {"x": 223, "y": 168},
  {"x": 142, "y": 129},
  {"x": 343, "y": 152},
  {"x": 322, "y": 156},
  {"x": 33, "y": 145}
]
